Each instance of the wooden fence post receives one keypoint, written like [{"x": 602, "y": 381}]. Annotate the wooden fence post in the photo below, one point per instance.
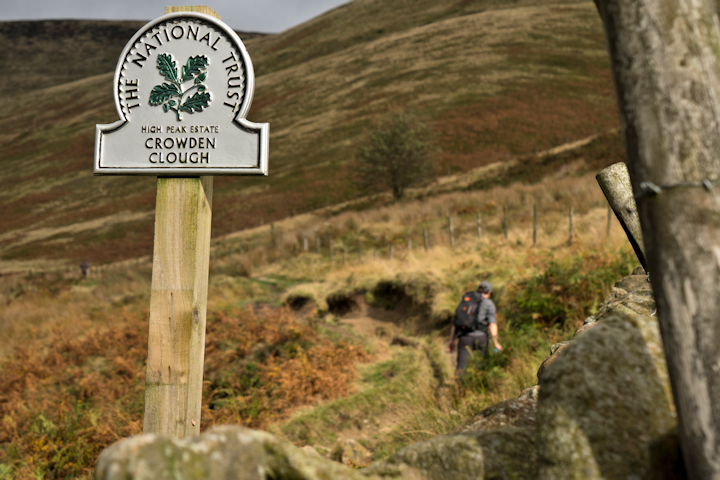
[
  {"x": 479, "y": 225},
  {"x": 425, "y": 239},
  {"x": 614, "y": 181},
  {"x": 666, "y": 68},
  {"x": 317, "y": 244},
  {"x": 452, "y": 233},
  {"x": 534, "y": 224},
  {"x": 375, "y": 254},
  {"x": 609, "y": 221},
  {"x": 505, "y": 223},
  {"x": 392, "y": 251},
  {"x": 305, "y": 244},
  {"x": 409, "y": 245}
]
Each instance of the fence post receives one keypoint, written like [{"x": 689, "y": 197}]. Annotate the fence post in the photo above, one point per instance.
[
  {"x": 305, "y": 244},
  {"x": 505, "y": 226},
  {"x": 479, "y": 225},
  {"x": 570, "y": 241},
  {"x": 272, "y": 235},
  {"x": 425, "y": 239},
  {"x": 609, "y": 221},
  {"x": 452, "y": 233},
  {"x": 330, "y": 248},
  {"x": 409, "y": 245},
  {"x": 392, "y": 251},
  {"x": 375, "y": 254},
  {"x": 317, "y": 244},
  {"x": 534, "y": 224}
]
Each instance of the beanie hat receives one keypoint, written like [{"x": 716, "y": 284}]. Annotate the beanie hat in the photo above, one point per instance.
[{"x": 485, "y": 284}]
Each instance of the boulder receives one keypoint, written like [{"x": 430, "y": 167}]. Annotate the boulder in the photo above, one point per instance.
[
  {"x": 506, "y": 453},
  {"x": 603, "y": 401},
  {"x": 516, "y": 412},
  {"x": 354, "y": 454},
  {"x": 226, "y": 451},
  {"x": 632, "y": 295}
]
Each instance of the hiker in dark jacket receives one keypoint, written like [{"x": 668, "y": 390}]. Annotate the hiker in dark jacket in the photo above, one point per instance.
[{"x": 476, "y": 339}]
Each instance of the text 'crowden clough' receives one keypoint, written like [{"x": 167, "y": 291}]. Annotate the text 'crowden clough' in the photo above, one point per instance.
[{"x": 182, "y": 149}]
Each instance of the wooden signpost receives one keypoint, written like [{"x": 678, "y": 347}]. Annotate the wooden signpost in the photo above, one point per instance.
[{"x": 183, "y": 87}]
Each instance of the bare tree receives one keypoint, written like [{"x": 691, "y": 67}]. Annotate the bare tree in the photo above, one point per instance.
[
  {"x": 394, "y": 154},
  {"x": 665, "y": 56}
]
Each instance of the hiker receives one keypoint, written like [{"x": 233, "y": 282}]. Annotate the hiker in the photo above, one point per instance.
[
  {"x": 473, "y": 320},
  {"x": 84, "y": 267}
]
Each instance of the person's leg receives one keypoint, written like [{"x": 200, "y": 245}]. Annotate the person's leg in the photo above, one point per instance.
[
  {"x": 464, "y": 345},
  {"x": 481, "y": 343}
]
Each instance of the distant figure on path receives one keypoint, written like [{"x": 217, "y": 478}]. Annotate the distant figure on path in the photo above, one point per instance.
[
  {"x": 84, "y": 267},
  {"x": 474, "y": 319}
]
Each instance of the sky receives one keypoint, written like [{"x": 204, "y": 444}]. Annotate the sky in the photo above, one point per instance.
[{"x": 268, "y": 16}]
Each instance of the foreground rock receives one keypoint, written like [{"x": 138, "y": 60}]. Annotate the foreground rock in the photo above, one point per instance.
[
  {"x": 506, "y": 453},
  {"x": 227, "y": 451},
  {"x": 602, "y": 402}
]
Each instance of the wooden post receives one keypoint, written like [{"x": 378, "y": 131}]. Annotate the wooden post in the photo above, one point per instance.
[
  {"x": 452, "y": 233},
  {"x": 425, "y": 239},
  {"x": 666, "y": 69},
  {"x": 375, "y": 254},
  {"x": 614, "y": 181},
  {"x": 272, "y": 235},
  {"x": 178, "y": 306},
  {"x": 479, "y": 225},
  {"x": 570, "y": 239},
  {"x": 409, "y": 245},
  {"x": 330, "y": 248},
  {"x": 534, "y": 224},
  {"x": 178, "y": 301},
  {"x": 317, "y": 244},
  {"x": 505, "y": 225},
  {"x": 609, "y": 221},
  {"x": 305, "y": 244},
  {"x": 392, "y": 252}
]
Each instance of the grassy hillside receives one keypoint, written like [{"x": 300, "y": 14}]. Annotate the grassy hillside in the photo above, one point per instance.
[{"x": 496, "y": 80}]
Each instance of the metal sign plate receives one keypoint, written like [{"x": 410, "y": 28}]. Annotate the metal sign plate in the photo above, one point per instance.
[{"x": 183, "y": 87}]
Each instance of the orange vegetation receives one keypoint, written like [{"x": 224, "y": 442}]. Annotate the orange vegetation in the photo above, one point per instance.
[{"x": 62, "y": 403}]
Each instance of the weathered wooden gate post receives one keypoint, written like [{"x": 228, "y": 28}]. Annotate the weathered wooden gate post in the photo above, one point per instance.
[
  {"x": 666, "y": 68},
  {"x": 183, "y": 87}
]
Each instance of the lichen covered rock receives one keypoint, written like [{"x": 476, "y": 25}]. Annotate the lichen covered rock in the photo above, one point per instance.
[
  {"x": 222, "y": 452},
  {"x": 603, "y": 400},
  {"x": 506, "y": 453}
]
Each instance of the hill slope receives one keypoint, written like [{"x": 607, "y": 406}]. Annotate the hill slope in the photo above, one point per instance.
[{"x": 495, "y": 79}]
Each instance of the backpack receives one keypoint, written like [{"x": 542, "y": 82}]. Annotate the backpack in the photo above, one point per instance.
[{"x": 465, "y": 319}]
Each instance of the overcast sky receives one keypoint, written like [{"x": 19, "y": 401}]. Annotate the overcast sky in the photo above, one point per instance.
[{"x": 270, "y": 16}]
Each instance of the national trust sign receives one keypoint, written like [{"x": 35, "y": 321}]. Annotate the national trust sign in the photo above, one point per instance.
[{"x": 183, "y": 87}]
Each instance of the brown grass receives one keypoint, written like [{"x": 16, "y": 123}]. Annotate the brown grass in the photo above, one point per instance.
[{"x": 64, "y": 402}]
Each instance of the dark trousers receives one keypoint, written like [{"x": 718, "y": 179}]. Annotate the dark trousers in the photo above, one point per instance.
[{"x": 467, "y": 343}]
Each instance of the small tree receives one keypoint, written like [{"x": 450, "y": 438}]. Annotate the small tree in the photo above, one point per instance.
[{"x": 395, "y": 154}]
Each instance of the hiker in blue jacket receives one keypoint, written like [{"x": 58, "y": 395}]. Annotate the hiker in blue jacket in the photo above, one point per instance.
[{"x": 475, "y": 336}]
